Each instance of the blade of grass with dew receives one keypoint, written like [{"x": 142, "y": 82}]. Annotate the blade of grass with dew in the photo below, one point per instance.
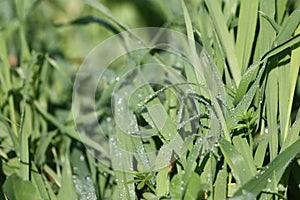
[
  {"x": 226, "y": 39},
  {"x": 278, "y": 165},
  {"x": 123, "y": 178},
  {"x": 208, "y": 72},
  {"x": 246, "y": 31},
  {"x": 241, "y": 170}
]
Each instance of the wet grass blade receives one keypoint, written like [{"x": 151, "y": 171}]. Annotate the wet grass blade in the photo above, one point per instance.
[{"x": 277, "y": 166}]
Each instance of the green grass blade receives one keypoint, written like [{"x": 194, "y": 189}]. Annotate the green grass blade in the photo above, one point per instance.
[
  {"x": 281, "y": 9},
  {"x": 220, "y": 185},
  {"x": 277, "y": 166},
  {"x": 162, "y": 182},
  {"x": 226, "y": 39},
  {"x": 292, "y": 75},
  {"x": 245, "y": 150},
  {"x": 237, "y": 163},
  {"x": 25, "y": 124},
  {"x": 250, "y": 75},
  {"x": 246, "y": 31},
  {"x": 289, "y": 27},
  {"x": 266, "y": 34},
  {"x": 272, "y": 111}
]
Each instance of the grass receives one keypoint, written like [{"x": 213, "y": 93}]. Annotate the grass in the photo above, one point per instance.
[{"x": 244, "y": 144}]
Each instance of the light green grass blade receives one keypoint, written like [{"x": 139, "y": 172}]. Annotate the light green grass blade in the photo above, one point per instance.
[
  {"x": 67, "y": 190},
  {"x": 246, "y": 100},
  {"x": 281, "y": 9},
  {"x": 26, "y": 123},
  {"x": 289, "y": 27},
  {"x": 162, "y": 182},
  {"x": 190, "y": 165},
  {"x": 278, "y": 165},
  {"x": 38, "y": 182},
  {"x": 292, "y": 75},
  {"x": 8, "y": 84},
  {"x": 293, "y": 134},
  {"x": 246, "y": 31},
  {"x": 271, "y": 94},
  {"x": 266, "y": 34},
  {"x": 245, "y": 150},
  {"x": 226, "y": 39},
  {"x": 250, "y": 75},
  {"x": 220, "y": 188},
  {"x": 237, "y": 163}
]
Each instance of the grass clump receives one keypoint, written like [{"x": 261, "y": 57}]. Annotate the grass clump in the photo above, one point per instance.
[{"x": 244, "y": 144}]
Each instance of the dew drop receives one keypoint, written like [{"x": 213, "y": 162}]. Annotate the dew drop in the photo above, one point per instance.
[
  {"x": 269, "y": 180},
  {"x": 81, "y": 158}
]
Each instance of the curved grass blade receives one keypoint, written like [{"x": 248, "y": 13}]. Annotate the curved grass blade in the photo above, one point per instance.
[{"x": 278, "y": 165}]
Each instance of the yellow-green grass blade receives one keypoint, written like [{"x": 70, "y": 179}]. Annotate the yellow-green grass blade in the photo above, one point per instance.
[
  {"x": 26, "y": 123},
  {"x": 6, "y": 80},
  {"x": 246, "y": 32},
  {"x": 288, "y": 27},
  {"x": 280, "y": 10},
  {"x": 162, "y": 182},
  {"x": 271, "y": 94},
  {"x": 220, "y": 185},
  {"x": 266, "y": 34},
  {"x": 292, "y": 75},
  {"x": 227, "y": 41}
]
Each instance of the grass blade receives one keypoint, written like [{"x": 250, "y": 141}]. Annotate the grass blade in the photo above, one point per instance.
[
  {"x": 237, "y": 163},
  {"x": 226, "y": 39},
  {"x": 278, "y": 165},
  {"x": 246, "y": 32}
]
